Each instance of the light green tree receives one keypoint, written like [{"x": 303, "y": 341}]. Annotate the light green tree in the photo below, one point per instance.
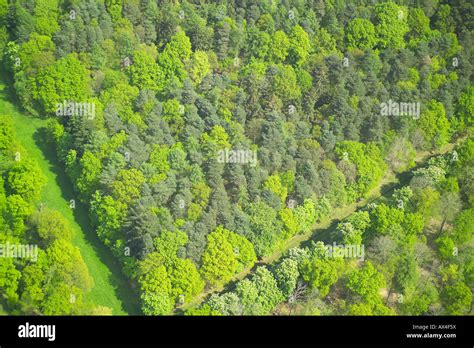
[{"x": 360, "y": 33}]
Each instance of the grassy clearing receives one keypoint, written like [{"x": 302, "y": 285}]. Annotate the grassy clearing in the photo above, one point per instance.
[{"x": 111, "y": 288}]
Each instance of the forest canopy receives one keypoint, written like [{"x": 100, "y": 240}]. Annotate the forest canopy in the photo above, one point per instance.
[{"x": 204, "y": 137}]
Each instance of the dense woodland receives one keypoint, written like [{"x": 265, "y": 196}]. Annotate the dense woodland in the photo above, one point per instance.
[
  {"x": 415, "y": 263},
  {"x": 298, "y": 83}
]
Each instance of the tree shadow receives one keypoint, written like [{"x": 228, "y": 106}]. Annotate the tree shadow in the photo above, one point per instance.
[
  {"x": 122, "y": 287},
  {"x": 8, "y": 93},
  {"x": 323, "y": 234}
]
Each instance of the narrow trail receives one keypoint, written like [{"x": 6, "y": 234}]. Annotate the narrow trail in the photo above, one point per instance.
[
  {"x": 111, "y": 288},
  {"x": 321, "y": 231}
]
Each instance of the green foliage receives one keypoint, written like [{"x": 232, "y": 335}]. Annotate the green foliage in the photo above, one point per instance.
[
  {"x": 9, "y": 278},
  {"x": 366, "y": 283},
  {"x": 420, "y": 303},
  {"x": 68, "y": 264},
  {"x": 322, "y": 272},
  {"x": 446, "y": 247},
  {"x": 290, "y": 222},
  {"x": 155, "y": 286},
  {"x": 51, "y": 225},
  {"x": 265, "y": 228},
  {"x": 66, "y": 80},
  {"x": 57, "y": 282},
  {"x": 425, "y": 201},
  {"x": 434, "y": 125},
  {"x": 466, "y": 106},
  {"x": 185, "y": 280},
  {"x": 121, "y": 96},
  {"x": 400, "y": 154},
  {"x": 7, "y": 133},
  {"x": 58, "y": 301},
  {"x": 302, "y": 93},
  {"x": 172, "y": 115},
  {"x": 114, "y": 7},
  {"x": 279, "y": 46},
  {"x": 269, "y": 294},
  {"x": 395, "y": 222},
  {"x": 369, "y": 163},
  {"x": 365, "y": 309},
  {"x": 46, "y": 14},
  {"x": 353, "y": 230},
  {"x": 457, "y": 298},
  {"x": 145, "y": 73},
  {"x": 463, "y": 226},
  {"x": 261, "y": 294},
  {"x": 90, "y": 168},
  {"x": 165, "y": 278},
  {"x": 243, "y": 250},
  {"x": 273, "y": 183},
  {"x": 406, "y": 275},
  {"x": 176, "y": 53},
  {"x": 204, "y": 310},
  {"x": 226, "y": 253},
  {"x": 108, "y": 215},
  {"x": 286, "y": 274},
  {"x": 219, "y": 263},
  {"x": 325, "y": 44},
  {"x": 259, "y": 43},
  {"x": 126, "y": 187},
  {"x": 36, "y": 53},
  {"x": 200, "y": 66},
  {"x": 390, "y": 24},
  {"x": 418, "y": 23},
  {"x": 285, "y": 83},
  {"x": 159, "y": 161},
  {"x": 3, "y": 11},
  {"x": 25, "y": 179},
  {"x": 168, "y": 243},
  {"x": 360, "y": 33},
  {"x": 225, "y": 304},
  {"x": 299, "y": 48}
]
